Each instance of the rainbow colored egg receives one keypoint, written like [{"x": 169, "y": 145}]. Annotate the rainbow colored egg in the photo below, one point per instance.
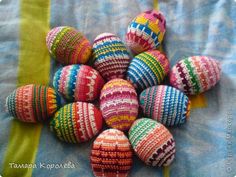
[
  {"x": 33, "y": 103},
  {"x": 165, "y": 104},
  {"x": 76, "y": 122},
  {"x": 196, "y": 74}
]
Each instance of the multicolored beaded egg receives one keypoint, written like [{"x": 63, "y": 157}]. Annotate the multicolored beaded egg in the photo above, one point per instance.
[
  {"x": 146, "y": 31},
  {"x": 119, "y": 104},
  {"x": 78, "y": 82},
  {"x": 196, "y": 74},
  {"x": 33, "y": 103},
  {"x": 165, "y": 104},
  {"x": 68, "y": 45},
  {"x": 148, "y": 69},
  {"x": 110, "y": 56},
  {"x": 76, "y": 122},
  {"x": 152, "y": 142},
  {"x": 111, "y": 154}
]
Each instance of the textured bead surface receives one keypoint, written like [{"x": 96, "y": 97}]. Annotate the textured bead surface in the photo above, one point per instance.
[
  {"x": 76, "y": 122},
  {"x": 196, "y": 74},
  {"x": 110, "y": 56},
  {"x": 68, "y": 45},
  {"x": 152, "y": 142},
  {"x": 111, "y": 154},
  {"x": 119, "y": 104},
  {"x": 78, "y": 82},
  {"x": 146, "y": 31},
  {"x": 165, "y": 104},
  {"x": 33, "y": 103},
  {"x": 148, "y": 69}
]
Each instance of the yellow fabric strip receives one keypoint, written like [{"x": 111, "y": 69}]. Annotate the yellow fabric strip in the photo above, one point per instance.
[
  {"x": 166, "y": 171},
  {"x": 33, "y": 67},
  {"x": 198, "y": 101}
]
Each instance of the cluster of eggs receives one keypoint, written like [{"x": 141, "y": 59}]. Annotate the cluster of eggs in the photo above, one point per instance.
[{"x": 122, "y": 86}]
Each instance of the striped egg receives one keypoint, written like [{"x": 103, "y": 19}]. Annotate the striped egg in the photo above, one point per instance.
[
  {"x": 152, "y": 142},
  {"x": 76, "y": 122},
  {"x": 78, "y": 82},
  {"x": 33, "y": 103},
  {"x": 196, "y": 74},
  {"x": 110, "y": 56},
  {"x": 165, "y": 104},
  {"x": 68, "y": 46},
  {"x": 111, "y": 154},
  {"x": 148, "y": 69},
  {"x": 146, "y": 31},
  {"x": 119, "y": 104}
]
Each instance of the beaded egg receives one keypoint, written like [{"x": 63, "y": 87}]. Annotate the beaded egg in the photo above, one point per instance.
[
  {"x": 111, "y": 154},
  {"x": 76, "y": 122},
  {"x": 147, "y": 69},
  {"x": 110, "y": 56},
  {"x": 195, "y": 74},
  {"x": 78, "y": 82},
  {"x": 68, "y": 46},
  {"x": 146, "y": 31},
  {"x": 165, "y": 104},
  {"x": 119, "y": 104},
  {"x": 33, "y": 103},
  {"x": 152, "y": 142}
]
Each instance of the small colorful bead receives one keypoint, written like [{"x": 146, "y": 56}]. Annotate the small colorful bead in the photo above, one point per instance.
[
  {"x": 33, "y": 103},
  {"x": 76, "y": 122},
  {"x": 146, "y": 31},
  {"x": 119, "y": 104},
  {"x": 111, "y": 154},
  {"x": 196, "y": 74},
  {"x": 152, "y": 142},
  {"x": 110, "y": 56},
  {"x": 165, "y": 104},
  {"x": 68, "y": 45},
  {"x": 78, "y": 82}
]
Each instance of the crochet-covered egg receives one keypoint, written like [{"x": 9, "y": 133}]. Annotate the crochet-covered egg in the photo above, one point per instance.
[
  {"x": 148, "y": 69},
  {"x": 111, "y": 154},
  {"x": 76, "y": 122},
  {"x": 78, "y": 82},
  {"x": 33, "y": 103},
  {"x": 196, "y": 74},
  {"x": 146, "y": 31},
  {"x": 119, "y": 104},
  {"x": 152, "y": 142},
  {"x": 110, "y": 56},
  {"x": 165, "y": 104},
  {"x": 68, "y": 46}
]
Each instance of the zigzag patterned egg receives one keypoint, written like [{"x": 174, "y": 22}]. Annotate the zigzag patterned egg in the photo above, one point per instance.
[
  {"x": 76, "y": 122},
  {"x": 78, "y": 82},
  {"x": 110, "y": 56},
  {"x": 111, "y": 154},
  {"x": 146, "y": 31},
  {"x": 196, "y": 74},
  {"x": 68, "y": 45},
  {"x": 33, "y": 103},
  {"x": 152, "y": 142},
  {"x": 148, "y": 69},
  {"x": 165, "y": 104}
]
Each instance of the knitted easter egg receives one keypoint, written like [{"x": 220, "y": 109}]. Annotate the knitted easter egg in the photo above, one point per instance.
[
  {"x": 146, "y": 31},
  {"x": 78, "y": 82},
  {"x": 76, "y": 122},
  {"x": 165, "y": 104},
  {"x": 33, "y": 103},
  {"x": 111, "y": 154},
  {"x": 148, "y": 69},
  {"x": 68, "y": 45},
  {"x": 152, "y": 142},
  {"x": 110, "y": 56},
  {"x": 196, "y": 74},
  {"x": 119, "y": 104}
]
